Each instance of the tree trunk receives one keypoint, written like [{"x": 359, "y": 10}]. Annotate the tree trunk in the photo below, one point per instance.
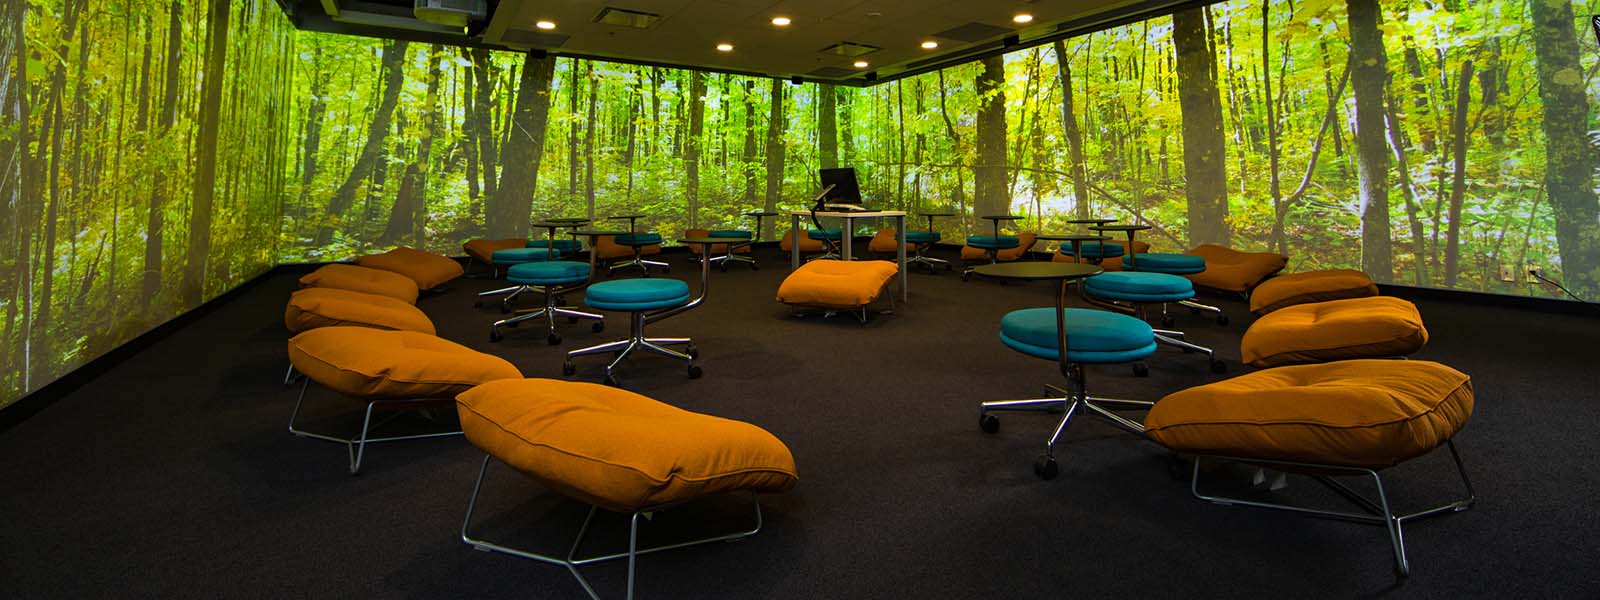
[
  {"x": 1368, "y": 72},
  {"x": 748, "y": 164},
  {"x": 1569, "y": 163},
  {"x": 588, "y": 137},
  {"x": 572, "y": 131},
  {"x": 900, "y": 142},
  {"x": 316, "y": 107},
  {"x": 513, "y": 203},
  {"x": 469, "y": 132},
  {"x": 1458, "y": 182},
  {"x": 1204, "y": 149},
  {"x": 847, "y": 132},
  {"x": 394, "y": 78},
  {"x": 1274, "y": 184},
  {"x": 775, "y": 151},
  {"x": 483, "y": 71},
  {"x": 1069, "y": 126},
  {"x": 408, "y": 216},
  {"x": 205, "y": 177},
  {"x": 1419, "y": 241},
  {"x": 959, "y": 195},
  {"x": 989, "y": 176},
  {"x": 155, "y": 226},
  {"x": 691, "y": 154},
  {"x": 827, "y": 126}
]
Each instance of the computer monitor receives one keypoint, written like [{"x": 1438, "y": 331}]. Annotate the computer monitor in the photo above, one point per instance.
[{"x": 844, "y": 191}]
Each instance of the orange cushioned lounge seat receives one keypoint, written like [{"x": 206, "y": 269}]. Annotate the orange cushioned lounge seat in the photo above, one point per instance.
[
  {"x": 1308, "y": 287},
  {"x": 807, "y": 244},
  {"x": 836, "y": 284},
  {"x": 388, "y": 369},
  {"x": 362, "y": 279},
  {"x": 1231, "y": 270},
  {"x": 313, "y": 308},
  {"x": 1351, "y": 418},
  {"x": 606, "y": 248},
  {"x": 1376, "y": 327},
  {"x": 716, "y": 249},
  {"x": 616, "y": 450},
  {"x": 429, "y": 270}
]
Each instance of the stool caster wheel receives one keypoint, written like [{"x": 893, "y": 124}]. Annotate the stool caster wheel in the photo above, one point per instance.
[
  {"x": 561, "y": 300},
  {"x": 505, "y": 308},
  {"x": 1141, "y": 369},
  {"x": 611, "y": 381},
  {"x": 695, "y": 372},
  {"x": 947, "y": 267},
  {"x": 598, "y": 326},
  {"x": 553, "y": 339},
  {"x": 514, "y": 324},
  {"x": 1222, "y": 320},
  {"x": 477, "y": 304},
  {"x": 693, "y": 351},
  {"x": 1167, "y": 320},
  {"x": 989, "y": 423},
  {"x": 1219, "y": 367},
  {"x": 1187, "y": 350},
  {"x": 1194, "y": 311},
  {"x": 965, "y": 276},
  {"x": 1045, "y": 467},
  {"x": 755, "y": 267},
  {"x": 723, "y": 267},
  {"x": 567, "y": 368},
  {"x": 495, "y": 335}
]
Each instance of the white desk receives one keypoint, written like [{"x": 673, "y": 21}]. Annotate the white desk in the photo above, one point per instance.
[{"x": 847, "y": 235}]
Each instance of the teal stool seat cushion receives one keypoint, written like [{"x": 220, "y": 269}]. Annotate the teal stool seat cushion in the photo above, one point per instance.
[
  {"x": 555, "y": 272},
  {"x": 565, "y": 246},
  {"x": 1096, "y": 250},
  {"x": 827, "y": 234},
  {"x": 1139, "y": 286},
  {"x": 637, "y": 294},
  {"x": 1177, "y": 264},
  {"x": 516, "y": 256},
  {"x": 922, "y": 237},
  {"x": 730, "y": 233},
  {"x": 993, "y": 242},
  {"x": 639, "y": 239},
  {"x": 1093, "y": 336}
]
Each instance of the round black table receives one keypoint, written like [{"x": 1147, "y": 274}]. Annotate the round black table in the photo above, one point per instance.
[
  {"x": 594, "y": 234},
  {"x": 1130, "y": 230},
  {"x": 931, "y": 216},
  {"x": 1094, "y": 221},
  {"x": 551, "y": 226},
  {"x": 996, "y": 219},
  {"x": 1033, "y": 271},
  {"x": 1077, "y": 240},
  {"x": 759, "y": 215},
  {"x": 632, "y": 219}
]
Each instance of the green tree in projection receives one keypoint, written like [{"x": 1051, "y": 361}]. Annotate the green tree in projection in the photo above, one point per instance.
[
  {"x": 1069, "y": 128},
  {"x": 991, "y": 196},
  {"x": 776, "y": 152},
  {"x": 512, "y": 205},
  {"x": 1369, "y": 69},
  {"x": 372, "y": 150},
  {"x": 1204, "y": 153},
  {"x": 1569, "y": 157},
  {"x": 205, "y": 180}
]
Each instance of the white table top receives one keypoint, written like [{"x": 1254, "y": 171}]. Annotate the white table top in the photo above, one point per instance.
[{"x": 872, "y": 213}]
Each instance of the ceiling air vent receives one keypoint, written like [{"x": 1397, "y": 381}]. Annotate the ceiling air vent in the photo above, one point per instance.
[
  {"x": 972, "y": 32},
  {"x": 626, "y": 18},
  {"x": 849, "y": 49}
]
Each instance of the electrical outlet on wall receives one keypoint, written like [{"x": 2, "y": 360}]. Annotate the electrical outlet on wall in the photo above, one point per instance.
[{"x": 1508, "y": 273}]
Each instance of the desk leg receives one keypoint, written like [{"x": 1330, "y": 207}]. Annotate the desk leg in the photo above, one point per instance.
[
  {"x": 794, "y": 242},
  {"x": 847, "y": 235},
  {"x": 900, "y": 254}
]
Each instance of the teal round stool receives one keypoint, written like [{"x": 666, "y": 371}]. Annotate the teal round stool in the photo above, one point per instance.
[
  {"x": 552, "y": 278},
  {"x": 737, "y": 238},
  {"x": 1096, "y": 251},
  {"x": 991, "y": 245},
  {"x": 638, "y": 241},
  {"x": 1134, "y": 291},
  {"x": 1174, "y": 264},
  {"x": 1092, "y": 337},
  {"x": 645, "y": 300},
  {"x": 517, "y": 256},
  {"x": 564, "y": 246},
  {"x": 923, "y": 241},
  {"x": 831, "y": 237}
]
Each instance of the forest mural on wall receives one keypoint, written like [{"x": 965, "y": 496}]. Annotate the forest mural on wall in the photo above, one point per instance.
[
  {"x": 1428, "y": 142},
  {"x": 141, "y": 148}
]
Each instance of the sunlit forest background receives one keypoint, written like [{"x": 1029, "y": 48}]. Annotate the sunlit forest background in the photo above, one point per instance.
[{"x": 158, "y": 153}]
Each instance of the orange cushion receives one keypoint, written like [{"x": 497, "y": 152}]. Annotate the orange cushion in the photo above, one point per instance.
[
  {"x": 1310, "y": 286},
  {"x": 617, "y": 449},
  {"x": 373, "y": 363},
  {"x": 883, "y": 242},
  {"x": 1356, "y": 413},
  {"x": 483, "y": 250},
  {"x": 809, "y": 244},
  {"x": 606, "y": 247},
  {"x": 836, "y": 283},
  {"x": 1230, "y": 270},
  {"x": 427, "y": 269},
  {"x": 715, "y": 248},
  {"x": 362, "y": 279},
  {"x": 1373, "y": 327},
  {"x": 1025, "y": 242},
  {"x": 311, "y": 308}
]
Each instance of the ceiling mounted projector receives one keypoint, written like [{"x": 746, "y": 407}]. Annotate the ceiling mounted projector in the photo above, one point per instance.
[{"x": 450, "y": 13}]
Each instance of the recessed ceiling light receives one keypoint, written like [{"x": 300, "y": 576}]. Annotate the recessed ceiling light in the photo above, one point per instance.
[
  {"x": 724, "y": 47},
  {"x": 545, "y": 24},
  {"x": 781, "y": 21},
  {"x": 1022, "y": 18},
  {"x": 929, "y": 45},
  {"x": 861, "y": 64}
]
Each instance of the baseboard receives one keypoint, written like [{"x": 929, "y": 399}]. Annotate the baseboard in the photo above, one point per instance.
[
  {"x": 1533, "y": 303},
  {"x": 39, "y": 399}
]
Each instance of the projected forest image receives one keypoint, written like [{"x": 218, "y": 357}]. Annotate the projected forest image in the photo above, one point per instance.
[{"x": 158, "y": 153}]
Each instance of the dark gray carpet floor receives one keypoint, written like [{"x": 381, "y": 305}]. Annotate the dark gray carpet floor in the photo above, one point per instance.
[{"x": 171, "y": 474}]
